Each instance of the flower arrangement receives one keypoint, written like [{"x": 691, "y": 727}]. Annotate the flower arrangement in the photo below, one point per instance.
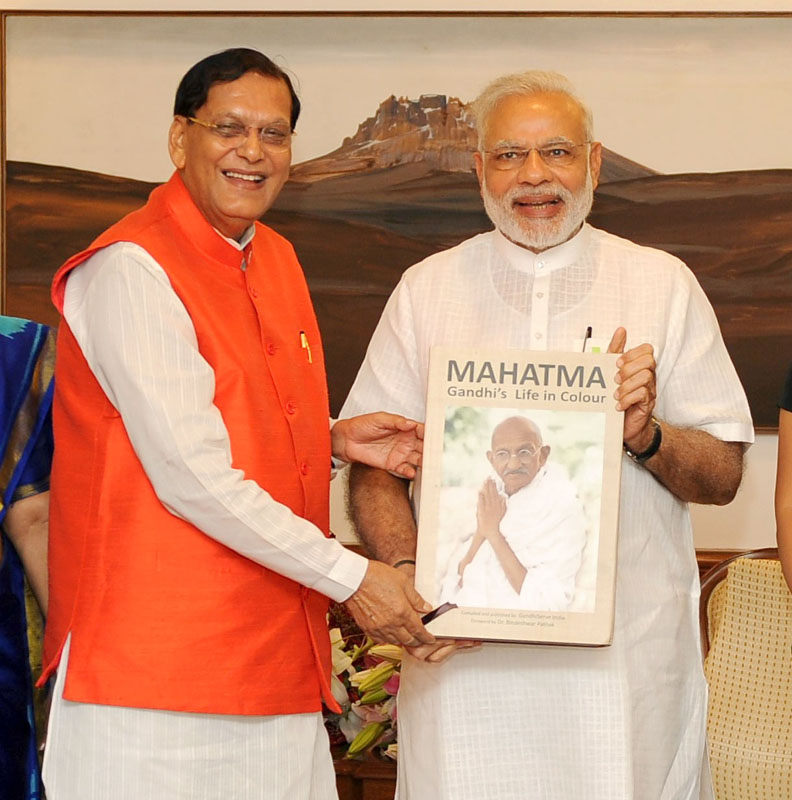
[{"x": 365, "y": 682}]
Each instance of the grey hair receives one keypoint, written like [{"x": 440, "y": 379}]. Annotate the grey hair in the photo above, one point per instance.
[{"x": 526, "y": 83}]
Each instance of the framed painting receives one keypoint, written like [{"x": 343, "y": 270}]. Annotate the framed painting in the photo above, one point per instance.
[{"x": 692, "y": 111}]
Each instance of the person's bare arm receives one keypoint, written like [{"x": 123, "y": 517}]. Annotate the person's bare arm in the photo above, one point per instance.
[
  {"x": 783, "y": 494},
  {"x": 467, "y": 559},
  {"x": 380, "y": 507},
  {"x": 26, "y": 524},
  {"x": 697, "y": 467},
  {"x": 692, "y": 464},
  {"x": 381, "y": 511}
]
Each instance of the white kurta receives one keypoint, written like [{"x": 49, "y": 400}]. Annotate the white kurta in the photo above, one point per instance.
[{"x": 625, "y": 722}]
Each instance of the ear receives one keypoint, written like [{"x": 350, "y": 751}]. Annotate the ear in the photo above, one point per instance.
[
  {"x": 543, "y": 454},
  {"x": 489, "y": 457},
  {"x": 595, "y": 163},
  {"x": 176, "y": 141}
]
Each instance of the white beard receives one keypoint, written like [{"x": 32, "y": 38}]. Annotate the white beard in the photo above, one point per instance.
[{"x": 539, "y": 234}]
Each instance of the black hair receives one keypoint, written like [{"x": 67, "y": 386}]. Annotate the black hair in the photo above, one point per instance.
[{"x": 224, "y": 67}]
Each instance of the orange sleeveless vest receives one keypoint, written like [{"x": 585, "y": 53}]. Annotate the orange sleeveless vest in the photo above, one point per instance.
[{"x": 161, "y": 615}]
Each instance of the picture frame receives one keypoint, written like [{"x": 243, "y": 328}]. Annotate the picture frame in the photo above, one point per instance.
[{"x": 713, "y": 214}]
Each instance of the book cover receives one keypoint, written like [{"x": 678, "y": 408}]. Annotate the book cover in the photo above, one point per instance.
[{"x": 519, "y": 496}]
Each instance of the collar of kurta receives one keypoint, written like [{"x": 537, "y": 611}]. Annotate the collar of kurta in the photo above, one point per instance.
[
  {"x": 207, "y": 238},
  {"x": 547, "y": 261}
]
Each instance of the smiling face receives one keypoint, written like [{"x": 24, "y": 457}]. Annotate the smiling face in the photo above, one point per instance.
[
  {"x": 233, "y": 185},
  {"x": 535, "y": 205},
  {"x": 517, "y": 453}
]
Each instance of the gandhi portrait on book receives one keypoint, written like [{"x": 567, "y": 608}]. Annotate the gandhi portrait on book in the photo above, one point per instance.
[{"x": 527, "y": 546}]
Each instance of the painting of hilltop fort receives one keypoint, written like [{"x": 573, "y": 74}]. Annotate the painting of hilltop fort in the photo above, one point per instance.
[{"x": 693, "y": 113}]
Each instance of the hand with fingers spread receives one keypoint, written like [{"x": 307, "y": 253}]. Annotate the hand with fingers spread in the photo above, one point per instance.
[
  {"x": 387, "y": 441},
  {"x": 387, "y": 608},
  {"x": 637, "y": 390}
]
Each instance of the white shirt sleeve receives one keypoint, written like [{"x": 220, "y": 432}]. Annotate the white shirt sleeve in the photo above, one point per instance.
[{"x": 140, "y": 343}]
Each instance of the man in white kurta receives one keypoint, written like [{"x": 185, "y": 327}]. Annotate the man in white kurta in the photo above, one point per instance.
[{"x": 626, "y": 722}]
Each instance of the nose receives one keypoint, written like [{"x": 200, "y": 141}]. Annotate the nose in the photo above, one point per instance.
[
  {"x": 534, "y": 170},
  {"x": 251, "y": 148}
]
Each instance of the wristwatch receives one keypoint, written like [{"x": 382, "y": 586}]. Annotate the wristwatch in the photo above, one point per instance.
[{"x": 654, "y": 446}]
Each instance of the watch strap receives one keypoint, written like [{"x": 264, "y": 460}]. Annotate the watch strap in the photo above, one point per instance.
[{"x": 654, "y": 446}]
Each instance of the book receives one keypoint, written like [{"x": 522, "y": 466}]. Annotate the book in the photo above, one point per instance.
[{"x": 518, "y": 497}]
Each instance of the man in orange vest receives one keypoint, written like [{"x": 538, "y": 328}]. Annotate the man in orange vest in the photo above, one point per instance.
[{"x": 190, "y": 558}]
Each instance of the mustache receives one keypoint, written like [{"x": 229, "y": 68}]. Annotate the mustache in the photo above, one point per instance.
[{"x": 518, "y": 193}]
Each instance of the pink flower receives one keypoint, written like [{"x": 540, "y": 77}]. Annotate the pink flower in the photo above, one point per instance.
[
  {"x": 391, "y": 686},
  {"x": 369, "y": 713}
]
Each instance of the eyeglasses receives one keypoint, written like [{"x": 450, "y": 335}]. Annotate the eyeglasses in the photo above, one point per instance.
[
  {"x": 562, "y": 154},
  {"x": 271, "y": 137},
  {"x": 524, "y": 454}
]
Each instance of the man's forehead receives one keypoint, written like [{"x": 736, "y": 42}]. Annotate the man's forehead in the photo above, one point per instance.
[
  {"x": 562, "y": 113},
  {"x": 516, "y": 429},
  {"x": 265, "y": 92}
]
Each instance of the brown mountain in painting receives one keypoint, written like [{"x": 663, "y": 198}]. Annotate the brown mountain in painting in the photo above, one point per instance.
[
  {"x": 385, "y": 199},
  {"x": 435, "y": 131}
]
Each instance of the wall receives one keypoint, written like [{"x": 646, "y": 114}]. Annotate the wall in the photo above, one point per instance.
[{"x": 748, "y": 522}]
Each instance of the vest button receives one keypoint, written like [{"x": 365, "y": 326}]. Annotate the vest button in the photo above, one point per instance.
[
  {"x": 270, "y": 348},
  {"x": 305, "y": 467},
  {"x": 290, "y": 407}
]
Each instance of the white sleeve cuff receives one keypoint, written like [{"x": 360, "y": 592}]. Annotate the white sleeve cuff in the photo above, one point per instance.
[{"x": 345, "y": 577}]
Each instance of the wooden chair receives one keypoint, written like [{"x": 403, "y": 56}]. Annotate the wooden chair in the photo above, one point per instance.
[{"x": 746, "y": 616}]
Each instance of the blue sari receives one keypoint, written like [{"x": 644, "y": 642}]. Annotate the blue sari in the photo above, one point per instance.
[{"x": 27, "y": 355}]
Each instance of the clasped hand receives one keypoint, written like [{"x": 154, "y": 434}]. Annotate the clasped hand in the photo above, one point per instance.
[{"x": 490, "y": 510}]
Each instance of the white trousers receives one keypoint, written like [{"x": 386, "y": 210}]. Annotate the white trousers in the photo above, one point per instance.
[{"x": 97, "y": 752}]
